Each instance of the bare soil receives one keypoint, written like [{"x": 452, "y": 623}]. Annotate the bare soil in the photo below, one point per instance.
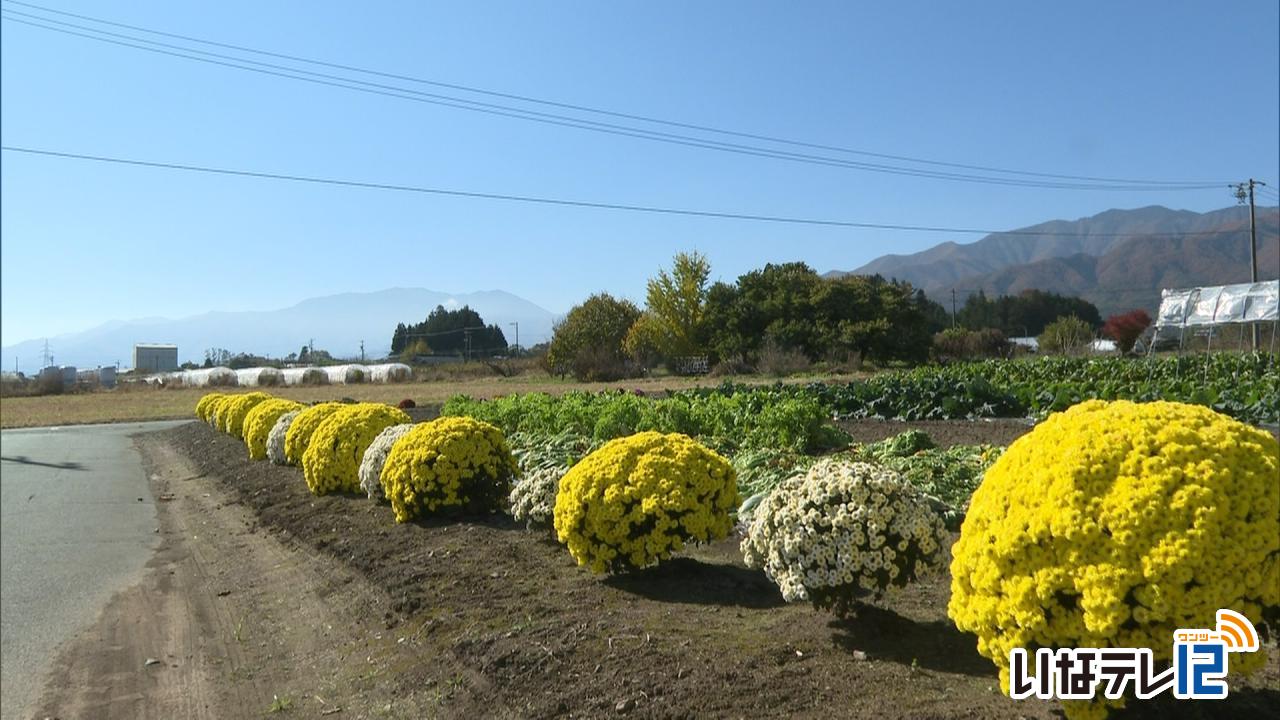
[{"x": 337, "y": 606}]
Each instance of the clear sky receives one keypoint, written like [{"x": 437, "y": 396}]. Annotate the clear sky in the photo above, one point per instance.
[{"x": 1166, "y": 90}]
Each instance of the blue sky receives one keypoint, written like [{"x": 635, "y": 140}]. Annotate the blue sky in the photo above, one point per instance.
[{"x": 1151, "y": 90}]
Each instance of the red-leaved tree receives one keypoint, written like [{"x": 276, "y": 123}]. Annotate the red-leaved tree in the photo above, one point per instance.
[{"x": 1126, "y": 328}]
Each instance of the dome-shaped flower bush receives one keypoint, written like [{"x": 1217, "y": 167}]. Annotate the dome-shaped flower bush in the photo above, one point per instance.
[
  {"x": 260, "y": 421},
  {"x": 375, "y": 457},
  {"x": 449, "y": 465},
  {"x": 533, "y": 496},
  {"x": 206, "y": 404},
  {"x": 234, "y": 409},
  {"x": 543, "y": 461},
  {"x": 640, "y": 498},
  {"x": 275, "y": 439},
  {"x": 1114, "y": 524},
  {"x": 332, "y": 459},
  {"x": 842, "y": 531},
  {"x": 300, "y": 430},
  {"x": 213, "y": 412}
]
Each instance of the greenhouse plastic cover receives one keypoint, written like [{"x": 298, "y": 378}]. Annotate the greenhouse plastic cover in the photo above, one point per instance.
[{"x": 1220, "y": 305}]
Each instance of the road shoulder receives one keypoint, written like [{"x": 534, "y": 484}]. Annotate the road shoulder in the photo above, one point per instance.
[{"x": 228, "y": 621}]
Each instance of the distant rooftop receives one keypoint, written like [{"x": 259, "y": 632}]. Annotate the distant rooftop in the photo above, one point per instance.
[{"x": 156, "y": 345}]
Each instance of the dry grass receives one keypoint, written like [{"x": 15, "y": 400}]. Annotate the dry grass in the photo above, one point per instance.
[{"x": 149, "y": 403}]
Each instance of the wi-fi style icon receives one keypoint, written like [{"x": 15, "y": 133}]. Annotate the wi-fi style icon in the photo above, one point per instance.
[{"x": 1236, "y": 631}]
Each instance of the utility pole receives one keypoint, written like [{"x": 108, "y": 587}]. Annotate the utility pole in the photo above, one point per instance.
[
  {"x": 953, "y": 308},
  {"x": 362, "y": 352},
  {"x": 466, "y": 336},
  {"x": 1241, "y": 194},
  {"x": 517, "y": 327}
]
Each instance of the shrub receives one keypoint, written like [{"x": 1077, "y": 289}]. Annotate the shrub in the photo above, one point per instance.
[
  {"x": 451, "y": 465},
  {"x": 963, "y": 344},
  {"x": 260, "y": 421},
  {"x": 206, "y": 404},
  {"x": 300, "y": 430},
  {"x": 638, "y": 499},
  {"x": 1126, "y": 328},
  {"x": 1065, "y": 335},
  {"x": 331, "y": 462},
  {"x": 780, "y": 361},
  {"x": 233, "y": 410},
  {"x": 375, "y": 457},
  {"x": 1113, "y": 525},
  {"x": 276, "y": 438},
  {"x": 843, "y": 531}
]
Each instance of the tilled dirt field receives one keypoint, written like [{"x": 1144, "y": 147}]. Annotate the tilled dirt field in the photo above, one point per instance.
[{"x": 504, "y": 624}]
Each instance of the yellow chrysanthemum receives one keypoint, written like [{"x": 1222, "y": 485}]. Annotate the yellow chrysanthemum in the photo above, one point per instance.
[
  {"x": 300, "y": 430},
  {"x": 449, "y": 465},
  {"x": 332, "y": 458},
  {"x": 206, "y": 404},
  {"x": 234, "y": 408},
  {"x": 1112, "y": 525},
  {"x": 638, "y": 499},
  {"x": 260, "y": 420}
]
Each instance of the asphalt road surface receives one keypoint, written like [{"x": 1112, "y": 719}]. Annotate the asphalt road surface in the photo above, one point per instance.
[{"x": 77, "y": 524}]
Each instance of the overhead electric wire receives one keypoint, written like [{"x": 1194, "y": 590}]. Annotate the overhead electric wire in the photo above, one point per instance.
[
  {"x": 553, "y": 119},
  {"x": 572, "y": 203},
  {"x": 546, "y": 118}
]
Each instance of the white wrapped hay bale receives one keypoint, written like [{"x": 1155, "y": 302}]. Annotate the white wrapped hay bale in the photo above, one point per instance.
[
  {"x": 376, "y": 456},
  {"x": 259, "y": 377},
  {"x": 275, "y": 440},
  {"x": 347, "y": 374},
  {"x": 390, "y": 373},
  {"x": 220, "y": 377},
  {"x": 305, "y": 376}
]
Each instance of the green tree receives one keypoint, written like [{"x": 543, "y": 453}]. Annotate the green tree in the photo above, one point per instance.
[
  {"x": 676, "y": 302},
  {"x": 588, "y": 342},
  {"x": 452, "y": 332}
]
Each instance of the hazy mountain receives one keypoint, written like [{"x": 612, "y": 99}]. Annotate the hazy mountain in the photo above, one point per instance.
[
  {"x": 337, "y": 323},
  {"x": 1118, "y": 259},
  {"x": 942, "y": 266}
]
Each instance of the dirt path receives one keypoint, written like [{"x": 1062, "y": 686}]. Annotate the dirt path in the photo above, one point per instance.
[
  {"x": 226, "y": 620},
  {"x": 262, "y": 591}
]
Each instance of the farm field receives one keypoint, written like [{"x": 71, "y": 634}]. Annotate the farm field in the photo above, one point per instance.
[
  {"x": 520, "y": 630},
  {"x": 150, "y": 403}
]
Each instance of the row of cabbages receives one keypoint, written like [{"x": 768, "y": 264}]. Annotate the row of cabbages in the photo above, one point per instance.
[
  {"x": 1109, "y": 525},
  {"x": 275, "y": 377}
]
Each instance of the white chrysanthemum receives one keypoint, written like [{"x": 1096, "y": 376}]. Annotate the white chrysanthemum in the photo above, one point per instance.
[
  {"x": 275, "y": 440},
  {"x": 842, "y": 530},
  {"x": 376, "y": 456},
  {"x": 533, "y": 497}
]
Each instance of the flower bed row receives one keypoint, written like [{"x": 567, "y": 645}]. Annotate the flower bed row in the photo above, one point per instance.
[{"x": 1110, "y": 524}]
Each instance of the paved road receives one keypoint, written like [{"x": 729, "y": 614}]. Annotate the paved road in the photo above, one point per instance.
[{"x": 77, "y": 525}]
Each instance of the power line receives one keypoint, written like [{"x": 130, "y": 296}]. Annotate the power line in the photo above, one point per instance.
[
  {"x": 566, "y": 202},
  {"x": 568, "y": 121}
]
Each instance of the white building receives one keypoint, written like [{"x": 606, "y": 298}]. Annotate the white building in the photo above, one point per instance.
[{"x": 155, "y": 357}]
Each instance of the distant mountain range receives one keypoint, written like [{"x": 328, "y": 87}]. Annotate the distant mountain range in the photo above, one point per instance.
[
  {"x": 1119, "y": 259},
  {"x": 337, "y": 323}
]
